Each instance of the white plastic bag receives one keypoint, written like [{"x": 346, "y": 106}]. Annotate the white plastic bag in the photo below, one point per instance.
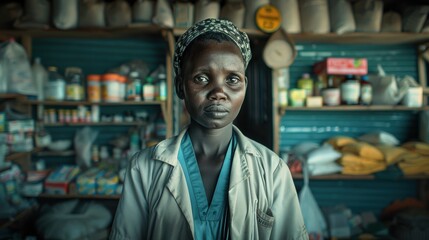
[
  {"x": 414, "y": 18},
  {"x": 234, "y": 11},
  {"x": 251, "y": 8},
  {"x": 65, "y": 13},
  {"x": 392, "y": 22},
  {"x": 385, "y": 88},
  {"x": 379, "y": 137},
  {"x": 289, "y": 10},
  {"x": 163, "y": 14},
  {"x": 368, "y": 15},
  {"x": 313, "y": 217},
  {"x": 324, "y": 154},
  {"x": 16, "y": 69},
  {"x": 118, "y": 14},
  {"x": 91, "y": 14},
  {"x": 341, "y": 16},
  {"x": 314, "y": 16},
  {"x": 83, "y": 141},
  {"x": 206, "y": 9}
]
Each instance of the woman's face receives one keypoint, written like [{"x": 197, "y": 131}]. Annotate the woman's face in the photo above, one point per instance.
[{"x": 214, "y": 83}]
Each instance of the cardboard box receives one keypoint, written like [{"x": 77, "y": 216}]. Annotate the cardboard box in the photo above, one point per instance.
[
  {"x": 58, "y": 181},
  {"x": 86, "y": 182}
]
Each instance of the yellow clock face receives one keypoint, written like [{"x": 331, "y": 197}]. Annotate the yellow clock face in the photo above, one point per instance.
[{"x": 268, "y": 18}]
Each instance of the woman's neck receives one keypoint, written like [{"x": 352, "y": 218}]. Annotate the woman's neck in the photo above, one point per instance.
[{"x": 210, "y": 142}]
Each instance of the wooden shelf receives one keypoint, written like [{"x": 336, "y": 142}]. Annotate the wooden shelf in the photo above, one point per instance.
[
  {"x": 347, "y": 38},
  {"x": 94, "y": 124},
  {"x": 136, "y": 30},
  {"x": 79, "y": 196},
  {"x": 78, "y": 103},
  {"x": 133, "y": 30},
  {"x": 355, "y": 177},
  {"x": 335, "y": 177},
  {"x": 282, "y": 110},
  {"x": 55, "y": 153}
]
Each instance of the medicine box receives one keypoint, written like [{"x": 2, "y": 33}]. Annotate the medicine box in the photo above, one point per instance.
[
  {"x": 59, "y": 180},
  {"x": 342, "y": 66}
]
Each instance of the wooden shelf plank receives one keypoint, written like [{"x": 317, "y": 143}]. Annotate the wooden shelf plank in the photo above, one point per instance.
[
  {"x": 335, "y": 177},
  {"x": 79, "y": 196},
  {"x": 55, "y": 153},
  {"x": 355, "y": 177},
  {"x": 133, "y": 30},
  {"x": 353, "y": 108},
  {"x": 94, "y": 124},
  {"x": 347, "y": 38},
  {"x": 77, "y": 103}
]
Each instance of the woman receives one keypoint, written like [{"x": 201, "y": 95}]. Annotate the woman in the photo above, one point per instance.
[{"x": 210, "y": 181}]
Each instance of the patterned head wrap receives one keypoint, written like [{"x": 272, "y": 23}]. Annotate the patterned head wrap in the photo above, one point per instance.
[{"x": 212, "y": 25}]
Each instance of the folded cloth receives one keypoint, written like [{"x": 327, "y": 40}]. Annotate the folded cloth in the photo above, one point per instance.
[
  {"x": 413, "y": 169},
  {"x": 391, "y": 154},
  {"x": 408, "y": 157},
  {"x": 419, "y": 147},
  {"x": 324, "y": 168},
  {"x": 324, "y": 154},
  {"x": 361, "y": 170},
  {"x": 379, "y": 137},
  {"x": 364, "y": 150},
  {"x": 339, "y": 141},
  {"x": 348, "y": 160}
]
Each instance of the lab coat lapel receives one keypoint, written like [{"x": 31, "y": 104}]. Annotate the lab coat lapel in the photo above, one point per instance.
[{"x": 178, "y": 188}]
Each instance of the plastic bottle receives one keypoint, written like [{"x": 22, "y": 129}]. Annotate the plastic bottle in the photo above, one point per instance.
[
  {"x": 134, "y": 87},
  {"x": 40, "y": 76},
  {"x": 148, "y": 89},
  {"x": 74, "y": 88},
  {"x": 350, "y": 91},
  {"x": 365, "y": 91},
  {"x": 94, "y": 87},
  {"x": 162, "y": 86},
  {"x": 306, "y": 83},
  {"x": 55, "y": 88},
  {"x": 331, "y": 94}
]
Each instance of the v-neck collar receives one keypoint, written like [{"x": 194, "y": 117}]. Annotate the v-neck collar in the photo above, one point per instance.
[{"x": 195, "y": 183}]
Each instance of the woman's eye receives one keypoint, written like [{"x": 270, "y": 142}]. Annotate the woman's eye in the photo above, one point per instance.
[
  {"x": 233, "y": 80},
  {"x": 201, "y": 79}
]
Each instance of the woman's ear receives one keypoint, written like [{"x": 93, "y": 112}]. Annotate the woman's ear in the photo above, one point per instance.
[
  {"x": 245, "y": 80},
  {"x": 179, "y": 87}
]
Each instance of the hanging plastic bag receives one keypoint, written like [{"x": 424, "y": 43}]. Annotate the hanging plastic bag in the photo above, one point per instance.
[
  {"x": 143, "y": 11},
  {"x": 414, "y": 18},
  {"x": 234, "y": 11},
  {"x": 392, "y": 22},
  {"x": 289, "y": 10},
  {"x": 65, "y": 13},
  {"x": 341, "y": 16},
  {"x": 36, "y": 15},
  {"x": 206, "y": 9},
  {"x": 314, "y": 16},
  {"x": 16, "y": 69},
  {"x": 163, "y": 14},
  {"x": 368, "y": 15},
  {"x": 91, "y": 14},
  {"x": 118, "y": 14},
  {"x": 313, "y": 216}
]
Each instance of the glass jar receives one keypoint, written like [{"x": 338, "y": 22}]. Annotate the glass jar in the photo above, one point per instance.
[{"x": 55, "y": 87}]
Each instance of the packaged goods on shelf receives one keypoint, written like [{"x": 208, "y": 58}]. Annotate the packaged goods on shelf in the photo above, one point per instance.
[
  {"x": 86, "y": 182},
  {"x": 107, "y": 183},
  {"x": 59, "y": 180},
  {"x": 341, "y": 66},
  {"x": 183, "y": 14}
]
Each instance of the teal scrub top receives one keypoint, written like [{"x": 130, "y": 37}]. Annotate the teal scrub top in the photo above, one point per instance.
[{"x": 209, "y": 220}]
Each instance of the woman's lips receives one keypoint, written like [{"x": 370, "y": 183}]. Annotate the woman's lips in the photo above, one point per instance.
[{"x": 216, "y": 111}]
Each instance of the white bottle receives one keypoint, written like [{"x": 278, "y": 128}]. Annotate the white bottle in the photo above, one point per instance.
[{"x": 40, "y": 77}]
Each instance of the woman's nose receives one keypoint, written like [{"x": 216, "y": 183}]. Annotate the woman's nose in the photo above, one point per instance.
[{"x": 217, "y": 92}]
